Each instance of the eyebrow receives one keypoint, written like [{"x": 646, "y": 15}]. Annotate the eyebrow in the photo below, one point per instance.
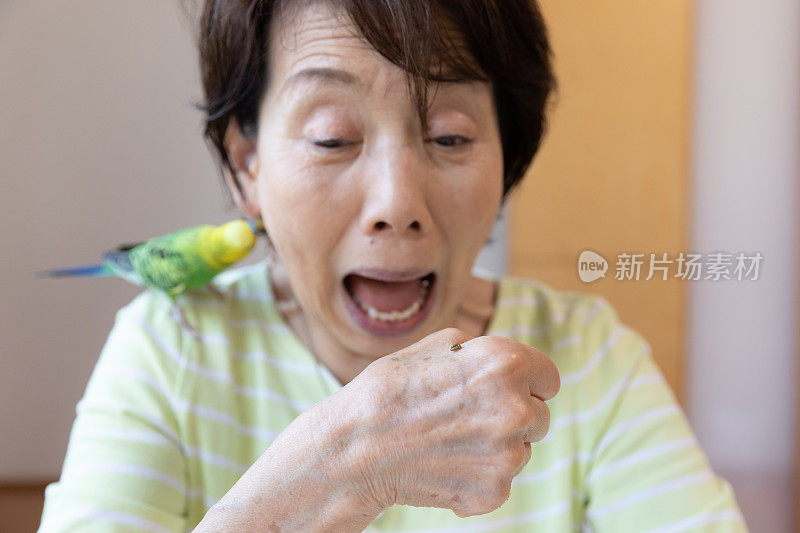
[{"x": 321, "y": 74}]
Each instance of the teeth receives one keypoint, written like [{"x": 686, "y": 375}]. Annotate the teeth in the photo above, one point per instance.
[{"x": 396, "y": 316}]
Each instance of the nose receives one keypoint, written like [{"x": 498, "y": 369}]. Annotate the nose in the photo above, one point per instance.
[{"x": 395, "y": 199}]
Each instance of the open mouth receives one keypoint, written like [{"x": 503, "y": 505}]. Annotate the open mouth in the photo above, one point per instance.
[{"x": 388, "y": 307}]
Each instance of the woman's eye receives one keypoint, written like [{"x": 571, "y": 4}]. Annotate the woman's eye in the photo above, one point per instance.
[
  {"x": 451, "y": 140},
  {"x": 330, "y": 143}
]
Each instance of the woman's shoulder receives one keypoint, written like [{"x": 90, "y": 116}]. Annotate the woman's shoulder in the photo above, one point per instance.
[
  {"x": 239, "y": 295},
  {"x": 213, "y": 342},
  {"x": 581, "y": 331},
  {"x": 245, "y": 282},
  {"x": 233, "y": 309},
  {"x": 536, "y": 308}
]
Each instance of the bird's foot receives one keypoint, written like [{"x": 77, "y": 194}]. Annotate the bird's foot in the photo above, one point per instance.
[
  {"x": 178, "y": 316},
  {"x": 215, "y": 291}
]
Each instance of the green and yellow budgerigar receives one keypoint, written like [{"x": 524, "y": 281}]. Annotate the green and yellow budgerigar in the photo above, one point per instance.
[{"x": 176, "y": 262}]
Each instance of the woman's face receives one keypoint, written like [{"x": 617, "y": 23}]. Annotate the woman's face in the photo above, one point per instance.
[{"x": 348, "y": 182}]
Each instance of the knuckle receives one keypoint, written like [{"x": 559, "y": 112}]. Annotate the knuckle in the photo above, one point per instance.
[
  {"x": 518, "y": 415},
  {"x": 376, "y": 393},
  {"x": 376, "y": 372},
  {"x": 372, "y": 409},
  {"x": 526, "y": 457},
  {"x": 506, "y": 361},
  {"x": 467, "y": 509},
  {"x": 521, "y": 456},
  {"x": 498, "y": 497},
  {"x": 462, "y": 505},
  {"x": 479, "y": 343},
  {"x": 492, "y": 492},
  {"x": 525, "y": 412},
  {"x": 511, "y": 460},
  {"x": 460, "y": 511},
  {"x": 499, "y": 476},
  {"x": 479, "y": 506},
  {"x": 454, "y": 334}
]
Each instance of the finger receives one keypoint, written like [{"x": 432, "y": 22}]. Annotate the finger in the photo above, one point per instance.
[
  {"x": 537, "y": 429},
  {"x": 543, "y": 378}
]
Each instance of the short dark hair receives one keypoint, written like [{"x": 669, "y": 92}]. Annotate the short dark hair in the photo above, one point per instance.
[{"x": 504, "y": 42}]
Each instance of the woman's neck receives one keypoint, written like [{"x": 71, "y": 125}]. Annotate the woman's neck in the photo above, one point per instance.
[
  {"x": 473, "y": 317},
  {"x": 477, "y": 307}
]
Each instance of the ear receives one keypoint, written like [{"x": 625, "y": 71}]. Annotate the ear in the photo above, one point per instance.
[{"x": 242, "y": 154}]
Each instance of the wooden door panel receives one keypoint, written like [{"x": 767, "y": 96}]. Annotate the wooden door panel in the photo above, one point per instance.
[{"x": 612, "y": 174}]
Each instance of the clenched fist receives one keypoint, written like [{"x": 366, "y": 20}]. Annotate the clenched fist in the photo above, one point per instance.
[{"x": 450, "y": 429}]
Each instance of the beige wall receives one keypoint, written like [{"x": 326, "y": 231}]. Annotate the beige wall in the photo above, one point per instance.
[
  {"x": 99, "y": 144},
  {"x": 743, "y": 340}
]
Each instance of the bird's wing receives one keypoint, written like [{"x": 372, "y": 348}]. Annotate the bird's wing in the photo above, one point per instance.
[
  {"x": 163, "y": 265},
  {"x": 119, "y": 261}
]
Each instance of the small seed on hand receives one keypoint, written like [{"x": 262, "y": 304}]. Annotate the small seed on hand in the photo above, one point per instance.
[{"x": 455, "y": 347}]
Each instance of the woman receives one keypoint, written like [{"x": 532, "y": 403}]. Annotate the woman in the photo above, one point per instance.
[{"x": 363, "y": 378}]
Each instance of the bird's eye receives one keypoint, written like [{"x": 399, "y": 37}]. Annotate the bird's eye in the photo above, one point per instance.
[{"x": 451, "y": 140}]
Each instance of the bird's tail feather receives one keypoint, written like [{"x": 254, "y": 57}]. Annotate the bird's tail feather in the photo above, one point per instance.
[{"x": 84, "y": 271}]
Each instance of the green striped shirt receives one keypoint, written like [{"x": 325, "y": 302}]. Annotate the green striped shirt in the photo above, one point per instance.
[{"x": 170, "y": 420}]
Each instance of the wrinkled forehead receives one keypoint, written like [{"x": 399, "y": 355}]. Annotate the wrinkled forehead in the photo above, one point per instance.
[
  {"x": 304, "y": 31},
  {"x": 319, "y": 48}
]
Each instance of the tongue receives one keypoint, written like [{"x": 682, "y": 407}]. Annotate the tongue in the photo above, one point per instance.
[{"x": 385, "y": 296}]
